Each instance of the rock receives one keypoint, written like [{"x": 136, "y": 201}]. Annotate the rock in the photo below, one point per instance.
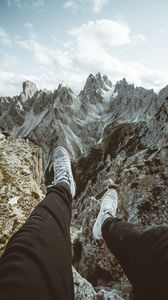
[
  {"x": 2, "y": 136},
  {"x": 83, "y": 289},
  {"x": 163, "y": 94},
  {"x": 29, "y": 89},
  {"x": 110, "y": 295},
  {"x": 136, "y": 103},
  {"x": 95, "y": 84},
  {"x": 19, "y": 181}
]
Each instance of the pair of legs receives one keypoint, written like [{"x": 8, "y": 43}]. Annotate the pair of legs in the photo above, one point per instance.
[{"x": 37, "y": 261}]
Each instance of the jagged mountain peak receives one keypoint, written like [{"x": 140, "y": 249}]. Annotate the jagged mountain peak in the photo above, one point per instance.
[
  {"x": 163, "y": 94},
  {"x": 29, "y": 89},
  {"x": 97, "y": 90},
  {"x": 65, "y": 95},
  {"x": 97, "y": 83},
  {"x": 122, "y": 86},
  {"x": 137, "y": 103}
]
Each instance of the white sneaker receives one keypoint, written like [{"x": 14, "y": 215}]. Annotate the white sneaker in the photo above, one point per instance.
[
  {"x": 62, "y": 169},
  {"x": 108, "y": 209}
]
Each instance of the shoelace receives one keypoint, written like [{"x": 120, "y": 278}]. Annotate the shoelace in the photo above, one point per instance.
[
  {"x": 61, "y": 169},
  {"x": 108, "y": 205}
]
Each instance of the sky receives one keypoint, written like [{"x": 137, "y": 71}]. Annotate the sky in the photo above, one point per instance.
[{"x": 63, "y": 41}]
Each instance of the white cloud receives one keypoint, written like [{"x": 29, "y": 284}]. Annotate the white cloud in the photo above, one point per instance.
[
  {"x": 29, "y": 25},
  {"x": 38, "y": 3},
  {"x": 4, "y": 38},
  {"x": 98, "y": 5},
  {"x": 103, "y": 32},
  {"x": 7, "y": 86},
  {"x": 70, "y": 4},
  {"x": 16, "y": 3},
  {"x": 93, "y": 45},
  {"x": 9, "y": 61},
  {"x": 162, "y": 30},
  {"x": 139, "y": 38},
  {"x": 95, "y": 5},
  {"x": 30, "y": 30},
  {"x": 46, "y": 56},
  {"x": 88, "y": 49},
  {"x": 9, "y": 3},
  {"x": 26, "y": 3},
  {"x": 40, "y": 52},
  {"x": 11, "y": 82}
]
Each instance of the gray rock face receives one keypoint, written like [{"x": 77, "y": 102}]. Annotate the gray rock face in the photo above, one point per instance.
[
  {"x": 21, "y": 173},
  {"x": 94, "y": 88},
  {"x": 134, "y": 104},
  {"x": 116, "y": 135},
  {"x": 83, "y": 289},
  {"x": 109, "y": 295},
  {"x": 29, "y": 89}
]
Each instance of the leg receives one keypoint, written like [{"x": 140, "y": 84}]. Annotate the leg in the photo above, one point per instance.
[
  {"x": 37, "y": 261},
  {"x": 143, "y": 254},
  {"x": 141, "y": 251},
  {"x": 122, "y": 240}
]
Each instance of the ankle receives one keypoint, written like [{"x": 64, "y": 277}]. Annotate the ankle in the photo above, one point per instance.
[
  {"x": 65, "y": 184},
  {"x": 107, "y": 216}
]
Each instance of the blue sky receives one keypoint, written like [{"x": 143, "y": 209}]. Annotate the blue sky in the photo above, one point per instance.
[{"x": 54, "y": 41}]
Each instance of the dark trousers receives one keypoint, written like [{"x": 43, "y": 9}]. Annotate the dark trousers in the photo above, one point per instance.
[
  {"x": 143, "y": 254},
  {"x": 37, "y": 261}
]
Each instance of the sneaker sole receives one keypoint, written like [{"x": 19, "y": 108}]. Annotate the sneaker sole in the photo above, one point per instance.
[{"x": 96, "y": 236}]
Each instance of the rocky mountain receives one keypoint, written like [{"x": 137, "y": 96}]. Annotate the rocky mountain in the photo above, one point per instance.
[
  {"x": 77, "y": 121},
  {"x": 116, "y": 135}
]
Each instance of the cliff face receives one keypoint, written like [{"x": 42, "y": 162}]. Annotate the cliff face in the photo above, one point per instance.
[
  {"x": 21, "y": 172},
  {"x": 115, "y": 134}
]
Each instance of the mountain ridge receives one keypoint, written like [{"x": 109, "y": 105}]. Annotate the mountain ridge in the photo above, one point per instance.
[{"x": 99, "y": 102}]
